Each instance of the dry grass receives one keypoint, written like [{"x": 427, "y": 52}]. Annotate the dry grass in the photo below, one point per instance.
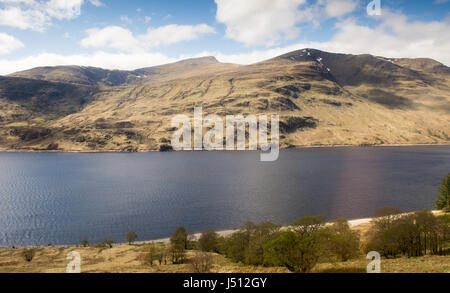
[{"x": 131, "y": 259}]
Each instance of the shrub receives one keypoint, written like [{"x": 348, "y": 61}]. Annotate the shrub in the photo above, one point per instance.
[
  {"x": 85, "y": 242},
  {"x": 131, "y": 237},
  {"x": 28, "y": 254},
  {"x": 157, "y": 253},
  {"x": 108, "y": 243},
  {"x": 201, "y": 263}
]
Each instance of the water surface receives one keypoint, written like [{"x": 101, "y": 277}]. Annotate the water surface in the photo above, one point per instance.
[{"x": 62, "y": 198}]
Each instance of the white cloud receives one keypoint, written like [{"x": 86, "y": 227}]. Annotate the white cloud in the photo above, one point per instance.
[
  {"x": 96, "y": 3},
  {"x": 33, "y": 19},
  {"x": 115, "y": 37},
  {"x": 9, "y": 43},
  {"x": 337, "y": 8},
  {"x": 174, "y": 33},
  {"x": 266, "y": 22},
  {"x": 37, "y": 15},
  {"x": 394, "y": 37},
  {"x": 261, "y": 22},
  {"x": 64, "y": 9}
]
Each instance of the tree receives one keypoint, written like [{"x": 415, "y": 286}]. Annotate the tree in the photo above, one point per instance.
[
  {"x": 178, "y": 254},
  {"x": 297, "y": 253},
  {"x": 385, "y": 217},
  {"x": 443, "y": 201},
  {"x": 131, "y": 237},
  {"x": 151, "y": 255},
  {"x": 179, "y": 238},
  {"x": 343, "y": 242},
  {"x": 235, "y": 246},
  {"x": 412, "y": 235},
  {"x": 208, "y": 241},
  {"x": 247, "y": 244},
  {"x": 309, "y": 224}
]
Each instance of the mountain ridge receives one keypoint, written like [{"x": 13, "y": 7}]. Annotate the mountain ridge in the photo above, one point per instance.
[{"x": 322, "y": 98}]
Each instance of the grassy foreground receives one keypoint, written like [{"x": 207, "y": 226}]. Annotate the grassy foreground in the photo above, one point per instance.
[
  {"x": 127, "y": 258},
  {"x": 131, "y": 259}
]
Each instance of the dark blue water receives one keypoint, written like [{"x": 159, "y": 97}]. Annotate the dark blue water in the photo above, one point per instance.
[{"x": 62, "y": 198}]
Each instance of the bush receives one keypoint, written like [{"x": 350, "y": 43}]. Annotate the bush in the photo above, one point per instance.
[
  {"x": 157, "y": 253},
  {"x": 28, "y": 254},
  {"x": 108, "y": 243},
  {"x": 208, "y": 241},
  {"x": 131, "y": 237},
  {"x": 201, "y": 263},
  {"x": 85, "y": 242}
]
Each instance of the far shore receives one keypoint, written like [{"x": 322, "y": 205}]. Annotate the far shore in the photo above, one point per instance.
[
  {"x": 224, "y": 233},
  {"x": 156, "y": 151}
]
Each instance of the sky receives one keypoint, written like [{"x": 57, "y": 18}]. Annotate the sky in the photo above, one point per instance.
[{"x": 131, "y": 34}]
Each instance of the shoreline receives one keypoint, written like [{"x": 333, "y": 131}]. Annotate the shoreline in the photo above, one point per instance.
[
  {"x": 223, "y": 233},
  {"x": 156, "y": 151}
]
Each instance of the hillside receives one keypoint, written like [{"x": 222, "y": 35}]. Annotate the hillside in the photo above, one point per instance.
[{"x": 345, "y": 100}]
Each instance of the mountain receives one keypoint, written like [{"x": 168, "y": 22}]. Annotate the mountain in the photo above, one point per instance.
[
  {"x": 322, "y": 98},
  {"x": 92, "y": 76}
]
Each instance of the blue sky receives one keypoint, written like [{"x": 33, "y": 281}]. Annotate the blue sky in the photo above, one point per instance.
[{"x": 132, "y": 34}]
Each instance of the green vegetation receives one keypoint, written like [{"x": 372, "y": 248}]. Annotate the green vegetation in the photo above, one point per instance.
[
  {"x": 343, "y": 242},
  {"x": 208, "y": 241},
  {"x": 179, "y": 244},
  {"x": 443, "y": 201},
  {"x": 108, "y": 243},
  {"x": 158, "y": 253},
  {"x": 298, "y": 248},
  {"x": 309, "y": 242},
  {"x": 131, "y": 237},
  {"x": 410, "y": 235}
]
